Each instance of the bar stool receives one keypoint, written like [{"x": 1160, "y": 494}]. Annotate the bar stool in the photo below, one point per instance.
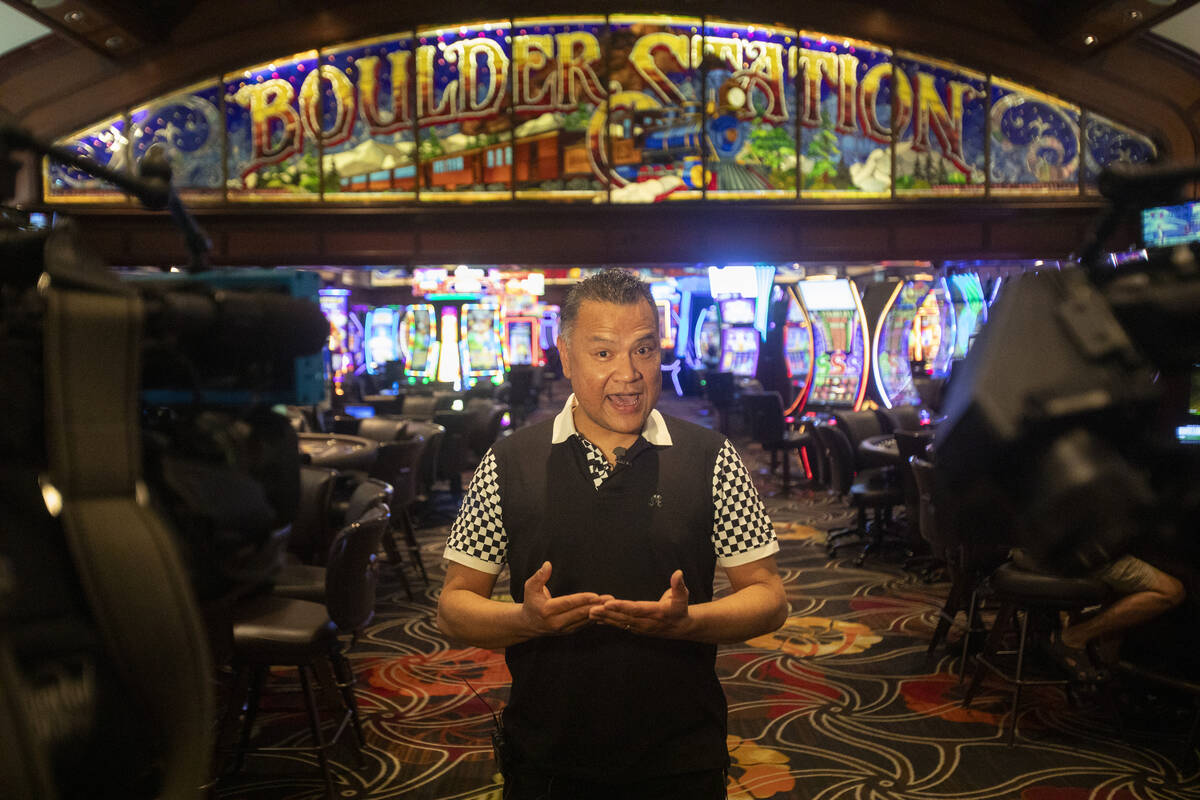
[{"x": 1023, "y": 593}]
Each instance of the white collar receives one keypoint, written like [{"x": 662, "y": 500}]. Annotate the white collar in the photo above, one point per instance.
[{"x": 655, "y": 430}]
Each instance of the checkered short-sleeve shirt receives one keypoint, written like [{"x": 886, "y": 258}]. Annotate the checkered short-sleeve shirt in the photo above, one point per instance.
[{"x": 741, "y": 533}]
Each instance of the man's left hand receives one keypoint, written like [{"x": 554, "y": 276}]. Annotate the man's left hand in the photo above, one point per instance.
[{"x": 668, "y": 616}]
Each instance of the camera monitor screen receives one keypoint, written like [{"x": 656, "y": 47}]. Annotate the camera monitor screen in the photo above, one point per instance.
[{"x": 1168, "y": 226}]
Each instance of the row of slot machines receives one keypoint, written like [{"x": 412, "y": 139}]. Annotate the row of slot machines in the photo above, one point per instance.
[
  {"x": 458, "y": 342},
  {"x": 841, "y": 343},
  {"x": 841, "y": 346}
]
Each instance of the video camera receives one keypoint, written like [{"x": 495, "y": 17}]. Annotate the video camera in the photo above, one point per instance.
[
  {"x": 146, "y": 481},
  {"x": 1060, "y": 429}
]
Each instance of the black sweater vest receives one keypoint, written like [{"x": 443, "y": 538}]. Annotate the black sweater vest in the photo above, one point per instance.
[{"x": 600, "y": 703}]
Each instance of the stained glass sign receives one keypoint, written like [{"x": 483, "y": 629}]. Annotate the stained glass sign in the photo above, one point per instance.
[{"x": 617, "y": 108}]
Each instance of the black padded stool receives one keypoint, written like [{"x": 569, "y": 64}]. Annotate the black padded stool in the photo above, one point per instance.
[{"x": 1022, "y": 593}]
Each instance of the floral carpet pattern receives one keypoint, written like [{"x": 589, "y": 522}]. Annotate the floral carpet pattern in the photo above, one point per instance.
[{"x": 839, "y": 704}]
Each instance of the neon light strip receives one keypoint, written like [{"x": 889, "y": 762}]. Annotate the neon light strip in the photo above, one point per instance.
[
  {"x": 683, "y": 335},
  {"x": 883, "y": 395},
  {"x": 449, "y": 367},
  {"x": 802, "y": 398},
  {"x": 862, "y": 322}
]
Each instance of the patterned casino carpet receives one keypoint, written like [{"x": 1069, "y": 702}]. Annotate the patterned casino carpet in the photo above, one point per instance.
[{"x": 838, "y": 705}]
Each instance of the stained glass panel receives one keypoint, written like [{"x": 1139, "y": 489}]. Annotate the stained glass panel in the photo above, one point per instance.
[
  {"x": 367, "y": 104},
  {"x": 942, "y": 113},
  {"x": 750, "y": 110},
  {"x": 272, "y": 114},
  {"x": 845, "y": 117},
  {"x": 1106, "y": 142},
  {"x": 463, "y": 104},
  {"x": 1035, "y": 142},
  {"x": 652, "y": 144},
  {"x": 559, "y": 107},
  {"x": 104, "y": 143},
  {"x": 190, "y": 127}
]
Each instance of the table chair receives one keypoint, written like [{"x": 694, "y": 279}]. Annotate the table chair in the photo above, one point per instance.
[
  {"x": 274, "y": 630},
  {"x": 398, "y": 466},
  {"x": 771, "y": 431},
  {"x": 872, "y": 492}
]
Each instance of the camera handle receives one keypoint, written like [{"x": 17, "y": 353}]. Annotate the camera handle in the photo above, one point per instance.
[{"x": 128, "y": 562}]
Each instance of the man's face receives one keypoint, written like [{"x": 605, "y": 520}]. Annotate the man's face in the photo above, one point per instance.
[{"x": 612, "y": 360}]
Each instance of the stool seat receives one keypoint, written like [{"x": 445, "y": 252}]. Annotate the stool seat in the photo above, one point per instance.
[
  {"x": 281, "y": 630},
  {"x": 1024, "y": 594},
  {"x": 1010, "y": 582}
]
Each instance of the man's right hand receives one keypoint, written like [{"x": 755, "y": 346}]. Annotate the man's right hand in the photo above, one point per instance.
[{"x": 550, "y": 616}]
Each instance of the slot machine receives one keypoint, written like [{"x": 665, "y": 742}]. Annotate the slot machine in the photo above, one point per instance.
[
  {"x": 743, "y": 295},
  {"x": 522, "y": 341},
  {"x": 335, "y": 305},
  {"x": 840, "y": 350},
  {"x": 548, "y": 331},
  {"x": 891, "y": 346},
  {"x": 419, "y": 344},
  {"x": 383, "y": 337},
  {"x": 480, "y": 342},
  {"x": 797, "y": 350},
  {"x": 739, "y": 337}
]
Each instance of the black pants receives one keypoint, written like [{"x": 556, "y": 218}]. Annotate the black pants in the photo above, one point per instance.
[{"x": 707, "y": 785}]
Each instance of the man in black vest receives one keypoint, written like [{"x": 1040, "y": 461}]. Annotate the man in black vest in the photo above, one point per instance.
[{"x": 612, "y": 519}]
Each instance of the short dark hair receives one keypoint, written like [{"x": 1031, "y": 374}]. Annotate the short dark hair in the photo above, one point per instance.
[{"x": 618, "y": 286}]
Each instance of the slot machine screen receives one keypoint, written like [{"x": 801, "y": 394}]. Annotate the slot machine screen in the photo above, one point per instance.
[
  {"x": 795, "y": 349},
  {"x": 1188, "y": 431},
  {"x": 708, "y": 338},
  {"x": 827, "y": 295},
  {"x": 967, "y": 296},
  {"x": 1194, "y": 394},
  {"x": 737, "y": 312},
  {"x": 359, "y": 412},
  {"x": 418, "y": 338},
  {"x": 740, "y": 352},
  {"x": 382, "y": 342},
  {"x": 520, "y": 342},
  {"x": 479, "y": 324}
]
